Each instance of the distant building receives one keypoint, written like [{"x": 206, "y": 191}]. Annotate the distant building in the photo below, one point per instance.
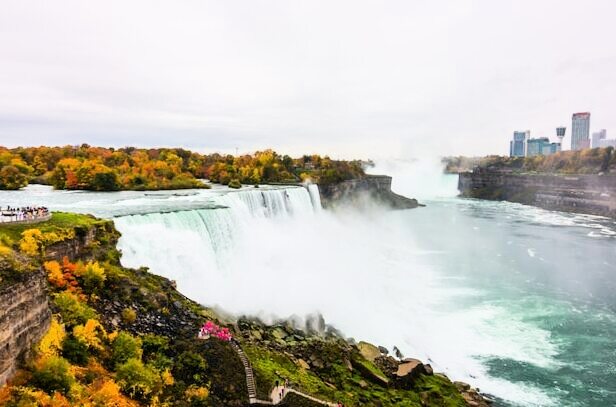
[
  {"x": 580, "y": 129},
  {"x": 597, "y": 136},
  {"x": 560, "y": 133},
  {"x": 538, "y": 146},
  {"x": 599, "y": 139},
  {"x": 517, "y": 146}
]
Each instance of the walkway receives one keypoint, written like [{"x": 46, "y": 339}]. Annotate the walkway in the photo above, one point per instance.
[
  {"x": 276, "y": 399},
  {"x": 275, "y": 395},
  {"x": 12, "y": 220}
]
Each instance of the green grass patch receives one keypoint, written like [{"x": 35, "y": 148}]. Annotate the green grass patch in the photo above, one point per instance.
[{"x": 59, "y": 221}]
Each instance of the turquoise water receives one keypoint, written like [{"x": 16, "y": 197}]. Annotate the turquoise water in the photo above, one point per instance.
[
  {"x": 516, "y": 300},
  {"x": 548, "y": 271}
]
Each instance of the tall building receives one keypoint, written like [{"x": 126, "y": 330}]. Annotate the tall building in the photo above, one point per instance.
[
  {"x": 517, "y": 146},
  {"x": 597, "y": 136},
  {"x": 580, "y": 129},
  {"x": 599, "y": 139},
  {"x": 538, "y": 146}
]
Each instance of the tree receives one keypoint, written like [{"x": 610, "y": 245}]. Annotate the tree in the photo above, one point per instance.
[{"x": 12, "y": 178}]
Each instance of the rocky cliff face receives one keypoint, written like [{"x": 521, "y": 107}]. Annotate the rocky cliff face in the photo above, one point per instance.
[
  {"x": 25, "y": 314},
  {"x": 24, "y": 319},
  {"x": 590, "y": 194},
  {"x": 360, "y": 191}
]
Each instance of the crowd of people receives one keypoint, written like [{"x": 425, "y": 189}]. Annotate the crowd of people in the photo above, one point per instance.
[{"x": 11, "y": 214}]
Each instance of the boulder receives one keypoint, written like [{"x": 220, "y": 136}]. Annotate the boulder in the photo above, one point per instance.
[
  {"x": 368, "y": 351},
  {"x": 383, "y": 350},
  {"x": 303, "y": 364},
  {"x": 408, "y": 371}
]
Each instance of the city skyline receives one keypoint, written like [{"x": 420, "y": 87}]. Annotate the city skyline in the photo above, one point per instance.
[{"x": 350, "y": 79}]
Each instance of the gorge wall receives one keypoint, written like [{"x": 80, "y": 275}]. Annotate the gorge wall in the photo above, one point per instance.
[
  {"x": 24, "y": 319},
  {"x": 589, "y": 194},
  {"x": 25, "y": 312},
  {"x": 355, "y": 191}
]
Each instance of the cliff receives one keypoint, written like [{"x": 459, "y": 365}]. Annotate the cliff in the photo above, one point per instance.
[
  {"x": 358, "y": 191},
  {"x": 24, "y": 319},
  {"x": 589, "y": 194}
]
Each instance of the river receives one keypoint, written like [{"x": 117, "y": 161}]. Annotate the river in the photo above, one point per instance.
[{"x": 516, "y": 300}]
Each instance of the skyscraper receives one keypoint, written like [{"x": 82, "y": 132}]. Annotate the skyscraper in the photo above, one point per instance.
[
  {"x": 538, "y": 146},
  {"x": 597, "y": 137},
  {"x": 580, "y": 129},
  {"x": 517, "y": 146}
]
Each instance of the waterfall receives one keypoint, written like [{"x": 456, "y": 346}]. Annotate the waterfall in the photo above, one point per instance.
[{"x": 196, "y": 247}]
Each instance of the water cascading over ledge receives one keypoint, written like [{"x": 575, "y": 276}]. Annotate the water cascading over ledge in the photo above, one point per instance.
[{"x": 199, "y": 245}]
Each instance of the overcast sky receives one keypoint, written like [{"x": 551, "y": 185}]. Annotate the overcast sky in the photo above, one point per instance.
[{"x": 347, "y": 78}]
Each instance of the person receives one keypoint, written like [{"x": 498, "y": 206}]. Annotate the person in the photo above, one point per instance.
[
  {"x": 276, "y": 383},
  {"x": 286, "y": 382}
]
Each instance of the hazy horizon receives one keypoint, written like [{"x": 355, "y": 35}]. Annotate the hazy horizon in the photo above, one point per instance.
[{"x": 349, "y": 79}]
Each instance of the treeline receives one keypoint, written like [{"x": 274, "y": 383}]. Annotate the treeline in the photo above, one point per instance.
[
  {"x": 108, "y": 169},
  {"x": 587, "y": 161}
]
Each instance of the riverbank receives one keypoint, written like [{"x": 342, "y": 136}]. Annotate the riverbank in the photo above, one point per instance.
[{"x": 588, "y": 194}]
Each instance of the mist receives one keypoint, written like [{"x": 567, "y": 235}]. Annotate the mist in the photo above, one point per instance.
[{"x": 367, "y": 271}]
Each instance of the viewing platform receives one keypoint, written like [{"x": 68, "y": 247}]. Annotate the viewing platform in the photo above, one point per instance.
[{"x": 24, "y": 216}]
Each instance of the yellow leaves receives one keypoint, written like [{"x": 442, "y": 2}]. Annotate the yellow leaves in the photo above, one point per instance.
[
  {"x": 106, "y": 393},
  {"x": 195, "y": 393},
  {"x": 30, "y": 242},
  {"x": 167, "y": 378},
  {"x": 55, "y": 276},
  {"x": 51, "y": 343},
  {"x": 90, "y": 334},
  {"x": 111, "y": 337}
]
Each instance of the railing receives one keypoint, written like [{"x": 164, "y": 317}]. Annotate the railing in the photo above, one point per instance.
[{"x": 13, "y": 219}]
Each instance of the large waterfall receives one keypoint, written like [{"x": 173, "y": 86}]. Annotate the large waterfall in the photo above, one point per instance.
[{"x": 199, "y": 247}]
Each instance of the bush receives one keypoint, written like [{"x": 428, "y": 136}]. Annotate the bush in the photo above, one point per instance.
[
  {"x": 235, "y": 184},
  {"x": 72, "y": 310},
  {"x": 125, "y": 347},
  {"x": 53, "y": 375},
  {"x": 137, "y": 380},
  {"x": 129, "y": 315},
  {"x": 93, "y": 277},
  {"x": 191, "y": 368},
  {"x": 75, "y": 351}
]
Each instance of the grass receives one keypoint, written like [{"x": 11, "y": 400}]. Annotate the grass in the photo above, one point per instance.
[
  {"x": 270, "y": 366},
  {"x": 58, "y": 221}
]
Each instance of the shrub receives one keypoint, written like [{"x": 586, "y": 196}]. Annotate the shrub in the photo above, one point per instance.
[
  {"x": 51, "y": 343},
  {"x": 30, "y": 242},
  {"x": 235, "y": 183},
  {"x": 129, "y": 315},
  {"x": 125, "y": 347},
  {"x": 93, "y": 276},
  {"x": 53, "y": 374},
  {"x": 137, "y": 380},
  {"x": 72, "y": 310},
  {"x": 75, "y": 351},
  {"x": 191, "y": 368},
  {"x": 54, "y": 274}
]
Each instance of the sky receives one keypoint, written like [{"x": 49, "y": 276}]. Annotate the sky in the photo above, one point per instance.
[{"x": 352, "y": 79}]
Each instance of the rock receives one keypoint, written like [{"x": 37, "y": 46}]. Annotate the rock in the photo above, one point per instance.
[
  {"x": 462, "y": 386},
  {"x": 363, "y": 384},
  {"x": 303, "y": 364},
  {"x": 368, "y": 351},
  {"x": 279, "y": 333},
  {"x": 429, "y": 370},
  {"x": 256, "y": 334},
  {"x": 408, "y": 371},
  {"x": 397, "y": 352},
  {"x": 348, "y": 364},
  {"x": 383, "y": 350}
]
